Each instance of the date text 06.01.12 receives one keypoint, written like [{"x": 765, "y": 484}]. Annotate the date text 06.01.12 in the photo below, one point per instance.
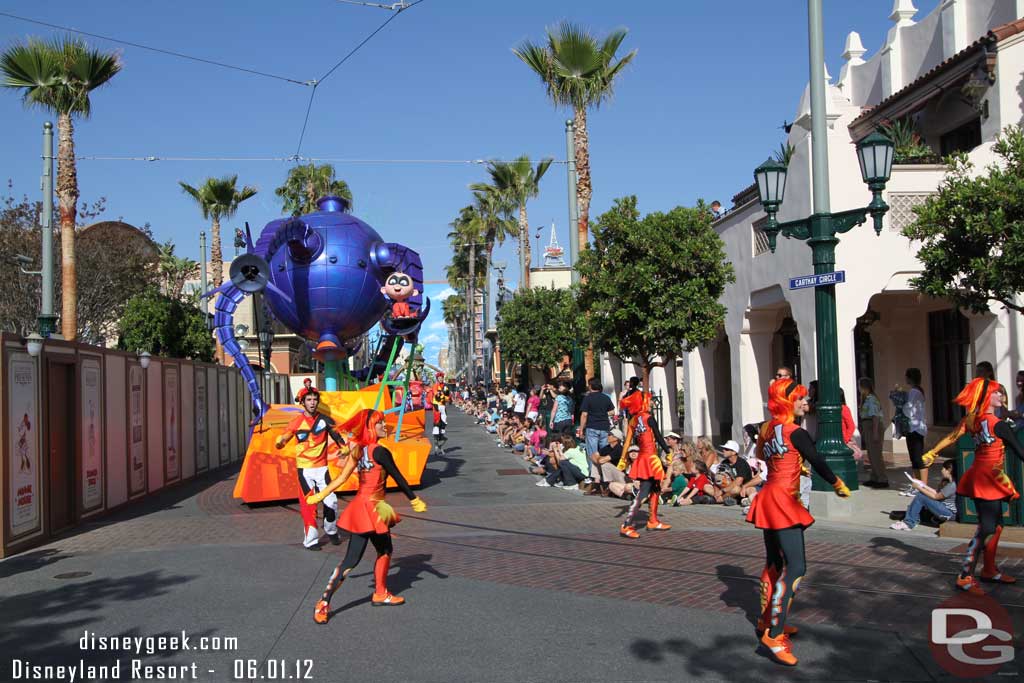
[{"x": 273, "y": 670}]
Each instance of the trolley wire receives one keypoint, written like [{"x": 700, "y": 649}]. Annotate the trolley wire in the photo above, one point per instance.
[{"x": 172, "y": 53}]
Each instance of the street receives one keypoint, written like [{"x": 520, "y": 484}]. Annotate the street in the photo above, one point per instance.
[{"x": 505, "y": 581}]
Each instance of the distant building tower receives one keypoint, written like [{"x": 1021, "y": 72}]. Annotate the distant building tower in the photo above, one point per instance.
[{"x": 553, "y": 253}]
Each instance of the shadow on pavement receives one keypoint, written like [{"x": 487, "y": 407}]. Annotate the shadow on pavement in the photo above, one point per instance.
[
  {"x": 411, "y": 569},
  {"x": 30, "y": 561},
  {"x": 45, "y": 626},
  {"x": 432, "y": 476}
]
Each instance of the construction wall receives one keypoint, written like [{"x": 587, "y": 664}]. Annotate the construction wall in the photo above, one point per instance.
[{"x": 87, "y": 430}]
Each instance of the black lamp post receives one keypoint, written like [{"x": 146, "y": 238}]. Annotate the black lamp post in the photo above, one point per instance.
[{"x": 820, "y": 230}]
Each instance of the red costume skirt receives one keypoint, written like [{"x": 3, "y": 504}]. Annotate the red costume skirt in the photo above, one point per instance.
[
  {"x": 647, "y": 467},
  {"x": 986, "y": 480},
  {"x": 778, "y": 507},
  {"x": 361, "y": 517}
]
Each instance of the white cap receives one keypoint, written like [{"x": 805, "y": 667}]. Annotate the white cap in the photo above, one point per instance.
[{"x": 730, "y": 445}]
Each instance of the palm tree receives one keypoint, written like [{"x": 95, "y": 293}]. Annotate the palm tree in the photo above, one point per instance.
[
  {"x": 58, "y": 76},
  {"x": 218, "y": 198},
  {"x": 174, "y": 270},
  {"x": 579, "y": 71},
  {"x": 454, "y": 308},
  {"x": 518, "y": 181},
  {"x": 305, "y": 184},
  {"x": 467, "y": 265}
]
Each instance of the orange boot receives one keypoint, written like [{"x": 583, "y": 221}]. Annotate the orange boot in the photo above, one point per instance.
[
  {"x": 322, "y": 612},
  {"x": 653, "y": 523},
  {"x": 989, "y": 571},
  {"x": 381, "y": 596},
  {"x": 769, "y": 576},
  {"x": 969, "y": 584},
  {"x": 628, "y": 532}
]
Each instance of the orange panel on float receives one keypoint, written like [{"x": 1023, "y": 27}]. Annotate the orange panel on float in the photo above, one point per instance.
[{"x": 269, "y": 474}]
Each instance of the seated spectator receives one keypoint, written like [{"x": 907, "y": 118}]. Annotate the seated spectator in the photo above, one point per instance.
[
  {"x": 625, "y": 489},
  {"x": 706, "y": 452},
  {"x": 929, "y": 505},
  {"x": 735, "y": 471},
  {"x": 675, "y": 480},
  {"x": 604, "y": 465},
  {"x": 536, "y": 441},
  {"x": 699, "y": 489},
  {"x": 567, "y": 471},
  {"x": 688, "y": 454},
  {"x": 675, "y": 443}
]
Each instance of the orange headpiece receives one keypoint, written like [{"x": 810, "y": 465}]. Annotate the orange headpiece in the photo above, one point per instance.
[
  {"x": 975, "y": 398},
  {"x": 635, "y": 402},
  {"x": 363, "y": 426},
  {"x": 782, "y": 394}
]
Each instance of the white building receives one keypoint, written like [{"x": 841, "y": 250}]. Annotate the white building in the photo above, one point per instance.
[{"x": 958, "y": 74}]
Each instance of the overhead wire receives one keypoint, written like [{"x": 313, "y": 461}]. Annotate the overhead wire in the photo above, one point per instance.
[
  {"x": 295, "y": 158},
  {"x": 172, "y": 53}
]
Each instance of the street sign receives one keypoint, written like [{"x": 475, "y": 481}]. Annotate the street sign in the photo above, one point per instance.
[{"x": 819, "y": 280}]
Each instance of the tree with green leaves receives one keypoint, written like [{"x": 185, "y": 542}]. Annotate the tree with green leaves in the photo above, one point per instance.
[
  {"x": 175, "y": 270},
  {"x": 651, "y": 286},
  {"x": 307, "y": 183},
  {"x": 218, "y": 199},
  {"x": 538, "y": 326},
  {"x": 165, "y": 327},
  {"x": 58, "y": 76},
  {"x": 517, "y": 182},
  {"x": 972, "y": 231},
  {"x": 579, "y": 71}
]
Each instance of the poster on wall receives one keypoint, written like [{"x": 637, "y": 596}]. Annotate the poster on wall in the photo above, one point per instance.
[
  {"x": 136, "y": 432},
  {"x": 223, "y": 426},
  {"x": 24, "y": 439},
  {"x": 92, "y": 434},
  {"x": 172, "y": 443},
  {"x": 202, "y": 453}
]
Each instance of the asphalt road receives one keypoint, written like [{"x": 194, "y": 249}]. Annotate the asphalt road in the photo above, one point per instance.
[{"x": 505, "y": 581}]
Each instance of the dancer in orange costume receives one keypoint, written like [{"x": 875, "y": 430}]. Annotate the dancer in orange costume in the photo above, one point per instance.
[
  {"x": 311, "y": 430},
  {"x": 777, "y": 511},
  {"x": 647, "y": 468},
  {"x": 368, "y": 518},
  {"x": 985, "y": 480}
]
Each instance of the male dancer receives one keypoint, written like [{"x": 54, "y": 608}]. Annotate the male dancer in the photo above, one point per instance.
[
  {"x": 310, "y": 430},
  {"x": 647, "y": 468},
  {"x": 777, "y": 511}
]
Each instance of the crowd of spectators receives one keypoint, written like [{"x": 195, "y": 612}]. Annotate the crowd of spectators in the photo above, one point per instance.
[{"x": 583, "y": 453}]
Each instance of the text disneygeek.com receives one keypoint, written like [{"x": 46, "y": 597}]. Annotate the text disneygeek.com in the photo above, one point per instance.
[{"x": 132, "y": 661}]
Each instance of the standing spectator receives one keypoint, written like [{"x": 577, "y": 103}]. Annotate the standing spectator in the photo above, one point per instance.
[
  {"x": 547, "y": 403},
  {"x": 870, "y": 414},
  {"x": 913, "y": 409},
  {"x": 849, "y": 427},
  {"x": 810, "y": 419},
  {"x": 561, "y": 418},
  {"x": 985, "y": 370},
  {"x": 716, "y": 209},
  {"x": 596, "y": 413},
  {"x": 605, "y": 463},
  {"x": 533, "y": 405},
  {"x": 519, "y": 405},
  {"x": 1017, "y": 414}
]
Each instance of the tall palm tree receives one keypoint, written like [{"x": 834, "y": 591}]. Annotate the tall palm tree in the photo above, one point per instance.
[
  {"x": 579, "y": 71},
  {"x": 454, "y": 308},
  {"x": 58, "y": 76},
  {"x": 305, "y": 184},
  {"x": 468, "y": 266},
  {"x": 218, "y": 198},
  {"x": 519, "y": 181}
]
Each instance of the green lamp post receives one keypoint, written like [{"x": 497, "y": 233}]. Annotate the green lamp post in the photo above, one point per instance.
[{"x": 820, "y": 231}]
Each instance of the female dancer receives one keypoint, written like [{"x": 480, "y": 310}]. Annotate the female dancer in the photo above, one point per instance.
[
  {"x": 985, "y": 480},
  {"x": 647, "y": 468},
  {"x": 368, "y": 518},
  {"x": 778, "y": 512}
]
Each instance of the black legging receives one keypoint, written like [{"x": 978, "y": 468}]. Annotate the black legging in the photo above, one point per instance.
[
  {"x": 990, "y": 513},
  {"x": 354, "y": 553},
  {"x": 784, "y": 552},
  {"x": 646, "y": 488}
]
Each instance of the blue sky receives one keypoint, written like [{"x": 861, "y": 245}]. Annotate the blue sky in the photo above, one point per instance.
[{"x": 699, "y": 108}]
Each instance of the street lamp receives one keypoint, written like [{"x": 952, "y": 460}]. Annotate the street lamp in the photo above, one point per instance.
[
  {"x": 34, "y": 344},
  {"x": 820, "y": 230},
  {"x": 144, "y": 359}
]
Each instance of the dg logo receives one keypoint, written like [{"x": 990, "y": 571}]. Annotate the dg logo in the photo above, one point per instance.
[{"x": 971, "y": 636}]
